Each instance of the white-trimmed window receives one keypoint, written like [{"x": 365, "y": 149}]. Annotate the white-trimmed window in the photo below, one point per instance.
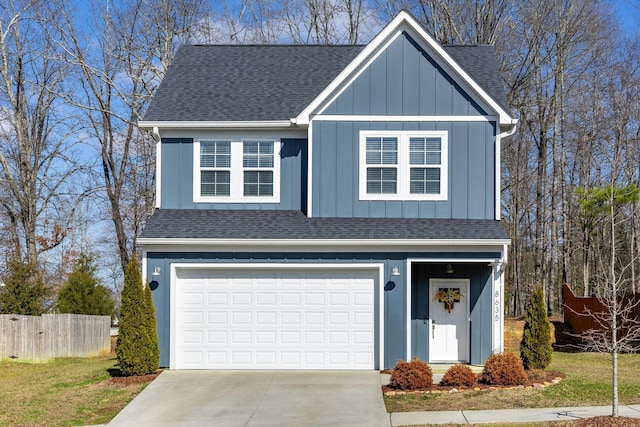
[
  {"x": 403, "y": 165},
  {"x": 228, "y": 171}
]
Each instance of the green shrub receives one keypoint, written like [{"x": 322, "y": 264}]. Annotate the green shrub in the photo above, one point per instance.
[
  {"x": 24, "y": 291},
  {"x": 413, "y": 375},
  {"x": 459, "y": 375},
  {"x": 82, "y": 293},
  {"x": 503, "y": 369},
  {"x": 152, "y": 324},
  {"x": 535, "y": 348},
  {"x": 136, "y": 348}
]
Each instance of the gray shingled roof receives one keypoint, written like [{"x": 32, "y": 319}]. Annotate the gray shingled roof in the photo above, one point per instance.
[
  {"x": 481, "y": 63},
  {"x": 245, "y": 83},
  {"x": 255, "y": 224},
  {"x": 274, "y": 82}
]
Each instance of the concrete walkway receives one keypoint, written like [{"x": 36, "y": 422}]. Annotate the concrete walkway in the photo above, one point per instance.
[{"x": 508, "y": 415}]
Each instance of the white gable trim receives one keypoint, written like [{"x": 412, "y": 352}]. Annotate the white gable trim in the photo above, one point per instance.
[
  {"x": 386, "y": 36},
  {"x": 377, "y": 118}
]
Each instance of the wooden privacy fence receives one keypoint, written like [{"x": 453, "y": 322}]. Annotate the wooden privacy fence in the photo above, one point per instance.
[
  {"x": 41, "y": 338},
  {"x": 576, "y": 308}
]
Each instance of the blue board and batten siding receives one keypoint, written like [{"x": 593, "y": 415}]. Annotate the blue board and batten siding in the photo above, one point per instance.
[
  {"x": 395, "y": 331},
  {"x": 404, "y": 80},
  {"x": 177, "y": 177},
  {"x": 471, "y": 170}
]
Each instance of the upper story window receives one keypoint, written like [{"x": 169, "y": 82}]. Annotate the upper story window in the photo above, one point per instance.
[
  {"x": 236, "y": 171},
  {"x": 403, "y": 165}
]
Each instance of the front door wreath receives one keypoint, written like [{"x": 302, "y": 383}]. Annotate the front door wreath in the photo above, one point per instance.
[{"x": 448, "y": 296}]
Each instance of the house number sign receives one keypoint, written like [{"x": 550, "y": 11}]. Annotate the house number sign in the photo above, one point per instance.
[{"x": 496, "y": 309}]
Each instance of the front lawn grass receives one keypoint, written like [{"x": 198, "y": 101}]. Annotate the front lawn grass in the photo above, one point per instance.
[
  {"x": 63, "y": 392},
  {"x": 587, "y": 382}
]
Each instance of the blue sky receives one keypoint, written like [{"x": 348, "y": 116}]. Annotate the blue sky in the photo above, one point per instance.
[{"x": 628, "y": 11}]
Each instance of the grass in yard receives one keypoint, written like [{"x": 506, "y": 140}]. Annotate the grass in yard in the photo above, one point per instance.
[
  {"x": 64, "y": 392},
  {"x": 587, "y": 382}
]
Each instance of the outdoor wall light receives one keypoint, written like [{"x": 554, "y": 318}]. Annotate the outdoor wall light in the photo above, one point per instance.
[
  {"x": 395, "y": 271},
  {"x": 449, "y": 269},
  {"x": 156, "y": 271}
]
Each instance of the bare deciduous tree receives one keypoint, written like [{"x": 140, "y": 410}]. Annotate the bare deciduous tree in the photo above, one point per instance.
[
  {"x": 37, "y": 163},
  {"x": 619, "y": 326},
  {"x": 120, "y": 63}
]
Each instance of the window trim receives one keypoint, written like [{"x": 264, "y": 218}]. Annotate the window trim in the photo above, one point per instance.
[
  {"x": 237, "y": 172},
  {"x": 403, "y": 166}
]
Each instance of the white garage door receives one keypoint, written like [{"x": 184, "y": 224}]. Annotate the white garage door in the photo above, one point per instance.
[{"x": 266, "y": 319}]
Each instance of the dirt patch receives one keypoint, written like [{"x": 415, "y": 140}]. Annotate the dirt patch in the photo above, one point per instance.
[
  {"x": 608, "y": 421},
  {"x": 136, "y": 379}
]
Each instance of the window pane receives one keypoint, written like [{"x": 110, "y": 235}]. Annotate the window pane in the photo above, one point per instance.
[
  {"x": 258, "y": 183},
  {"x": 389, "y": 158},
  {"x": 424, "y": 181},
  {"x": 382, "y": 180},
  {"x": 416, "y": 144},
  {"x": 432, "y": 159},
  {"x": 215, "y": 154},
  {"x": 425, "y": 151},
  {"x": 374, "y": 157},
  {"x": 257, "y": 154},
  {"x": 433, "y": 144},
  {"x": 417, "y": 158},
  {"x": 250, "y": 148},
  {"x": 374, "y": 144},
  {"x": 215, "y": 183},
  {"x": 381, "y": 151}
]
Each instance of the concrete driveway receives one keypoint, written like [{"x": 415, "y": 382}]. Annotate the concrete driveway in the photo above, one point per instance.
[{"x": 258, "y": 398}]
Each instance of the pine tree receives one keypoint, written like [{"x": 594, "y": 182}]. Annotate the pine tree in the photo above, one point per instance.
[
  {"x": 83, "y": 293},
  {"x": 24, "y": 291},
  {"x": 535, "y": 348},
  {"x": 136, "y": 350}
]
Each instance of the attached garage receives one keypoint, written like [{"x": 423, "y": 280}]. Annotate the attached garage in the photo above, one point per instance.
[{"x": 284, "y": 316}]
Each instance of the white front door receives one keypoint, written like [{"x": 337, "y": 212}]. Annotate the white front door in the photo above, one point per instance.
[{"x": 449, "y": 313}]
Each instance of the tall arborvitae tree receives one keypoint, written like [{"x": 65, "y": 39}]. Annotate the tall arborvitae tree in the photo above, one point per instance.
[
  {"x": 136, "y": 349},
  {"x": 24, "y": 291},
  {"x": 535, "y": 347},
  {"x": 83, "y": 293},
  {"x": 152, "y": 323}
]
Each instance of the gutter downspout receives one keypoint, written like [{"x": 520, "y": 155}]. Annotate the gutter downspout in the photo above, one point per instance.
[
  {"x": 498, "y": 179},
  {"x": 156, "y": 134}
]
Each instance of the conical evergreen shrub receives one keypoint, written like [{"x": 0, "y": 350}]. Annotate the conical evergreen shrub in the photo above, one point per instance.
[
  {"x": 535, "y": 348},
  {"x": 136, "y": 349},
  {"x": 152, "y": 324}
]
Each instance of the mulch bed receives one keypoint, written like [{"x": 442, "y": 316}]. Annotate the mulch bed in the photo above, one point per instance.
[
  {"x": 537, "y": 379},
  {"x": 607, "y": 421}
]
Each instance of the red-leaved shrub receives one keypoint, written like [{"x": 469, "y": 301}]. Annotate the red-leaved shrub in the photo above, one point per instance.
[
  {"x": 459, "y": 375},
  {"x": 413, "y": 375},
  {"x": 503, "y": 369}
]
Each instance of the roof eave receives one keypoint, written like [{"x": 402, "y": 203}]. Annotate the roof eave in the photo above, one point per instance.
[
  {"x": 323, "y": 242},
  {"x": 253, "y": 124}
]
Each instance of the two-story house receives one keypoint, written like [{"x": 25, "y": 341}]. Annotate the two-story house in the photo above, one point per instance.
[{"x": 328, "y": 207}]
